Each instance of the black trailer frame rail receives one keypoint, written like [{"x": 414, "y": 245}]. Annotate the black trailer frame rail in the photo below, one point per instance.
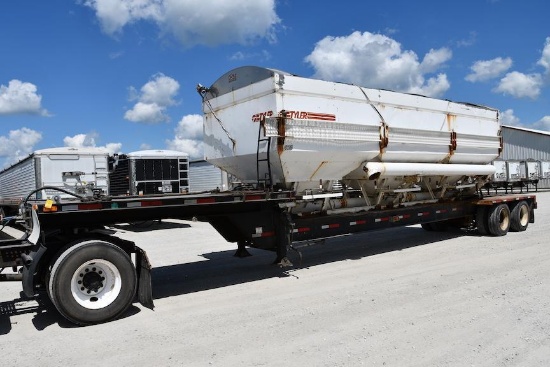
[{"x": 259, "y": 219}]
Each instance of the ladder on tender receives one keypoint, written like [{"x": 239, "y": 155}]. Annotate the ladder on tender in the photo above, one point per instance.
[{"x": 267, "y": 180}]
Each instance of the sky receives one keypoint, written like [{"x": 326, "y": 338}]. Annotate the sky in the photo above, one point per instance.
[{"x": 121, "y": 74}]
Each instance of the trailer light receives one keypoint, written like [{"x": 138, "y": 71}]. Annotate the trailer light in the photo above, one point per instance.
[{"x": 49, "y": 207}]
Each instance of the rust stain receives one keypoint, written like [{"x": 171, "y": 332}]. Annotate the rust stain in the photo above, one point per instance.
[
  {"x": 317, "y": 169},
  {"x": 281, "y": 121},
  {"x": 450, "y": 121},
  {"x": 384, "y": 137},
  {"x": 452, "y": 146}
]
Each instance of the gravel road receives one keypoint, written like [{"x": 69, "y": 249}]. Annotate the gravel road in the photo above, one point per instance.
[{"x": 401, "y": 297}]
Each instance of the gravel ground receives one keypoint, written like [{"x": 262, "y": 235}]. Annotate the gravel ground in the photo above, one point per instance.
[{"x": 401, "y": 297}]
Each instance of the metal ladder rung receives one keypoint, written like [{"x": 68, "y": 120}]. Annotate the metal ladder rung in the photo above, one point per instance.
[{"x": 268, "y": 179}]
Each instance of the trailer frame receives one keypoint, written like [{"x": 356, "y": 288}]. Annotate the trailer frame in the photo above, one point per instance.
[{"x": 67, "y": 238}]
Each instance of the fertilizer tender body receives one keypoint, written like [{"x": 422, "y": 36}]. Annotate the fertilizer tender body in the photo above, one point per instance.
[{"x": 301, "y": 134}]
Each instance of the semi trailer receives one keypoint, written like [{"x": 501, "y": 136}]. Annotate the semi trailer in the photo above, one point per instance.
[
  {"x": 399, "y": 160},
  {"x": 78, "y": 170},
  {"x": 149, "y": 172},
  {"x": 515, "y": 174}
]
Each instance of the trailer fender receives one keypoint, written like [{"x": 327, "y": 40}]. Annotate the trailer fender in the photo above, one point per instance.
[{"x": 30, "y": 269}]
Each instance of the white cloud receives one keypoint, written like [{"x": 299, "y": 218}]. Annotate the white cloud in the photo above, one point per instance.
[
  {"x": 113, "y": 15},
  {"x": 18, "y": 144},
  {"x": 145, "y": 146},
  {"x": 192, "y": 22},
  {"x": 434, "y": 59},
  {"x": 544, "y": 61},
  {"x": 146, "y": 113},
  {"x": 543, "y": 123},
  {"x": 89, "y": 141},
  {"x": 520, "y": 85},
  {"x": 472, "y": 37},
  {"x": 155, "y": 97},
  {"x": 488, "y": 69},
  {"x": 20, "y": 98},
  {"x": 262, "y": 56},
  {"x": 188, "y": 136},
  {"x": 377, "y": 61},
  {"x": 436, "y": 86},
  {"x": 507, "y": 118}
]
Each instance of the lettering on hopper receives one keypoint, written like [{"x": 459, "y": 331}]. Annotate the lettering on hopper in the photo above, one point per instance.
[{"x": 296, "y": 115}]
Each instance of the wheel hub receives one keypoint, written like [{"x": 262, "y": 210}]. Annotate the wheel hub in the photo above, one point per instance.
[{"x": 91, "y": 279}]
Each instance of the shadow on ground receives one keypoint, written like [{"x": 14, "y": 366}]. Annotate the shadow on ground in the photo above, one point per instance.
[{"x": 222, "y": 269}]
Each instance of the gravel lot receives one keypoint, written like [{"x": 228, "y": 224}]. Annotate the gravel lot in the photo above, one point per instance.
[{"x": 401, "y": 297}]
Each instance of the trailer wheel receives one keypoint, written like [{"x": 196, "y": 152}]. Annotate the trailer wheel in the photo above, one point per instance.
[
  {"x": 499, "y": 220},
  {"x": 441, "y": 226},
  {"x": 92, "y": 282},
  {"x": 481, "y": 220},
  {"x": 519, "y": 218},
  {"x": 427, "y": 227}
]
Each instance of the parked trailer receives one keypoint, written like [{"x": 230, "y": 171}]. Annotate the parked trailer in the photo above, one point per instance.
[
  {"x": 149, "y": 172},
  {"x": 513, "y": 174},
  {"x": 401, "y": 160},
  {"x": 77, "y": 170}
]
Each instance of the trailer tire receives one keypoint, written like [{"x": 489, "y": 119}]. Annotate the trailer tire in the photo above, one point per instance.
[
  {"x": 92, "y": 282},
  {"x": 427, "y": 227},
  {"x": 441, "y": 226},
  {"x": 499, "y": 220},
  {"x": 519, "y": 217},
  {"x": 482, "y": 220}
]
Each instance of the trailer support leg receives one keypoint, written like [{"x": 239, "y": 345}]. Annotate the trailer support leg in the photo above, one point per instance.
[{"x": 241, "y": 249}]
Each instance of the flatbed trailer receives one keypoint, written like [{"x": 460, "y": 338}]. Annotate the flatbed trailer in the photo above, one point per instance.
[{"x": 92, "y": 276}]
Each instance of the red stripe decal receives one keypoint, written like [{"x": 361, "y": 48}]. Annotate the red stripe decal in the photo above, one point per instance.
[
  {"x": 151, "y": 203},
  {"x": 206, "y": 200},
  {"x": 90, "y": 206}
]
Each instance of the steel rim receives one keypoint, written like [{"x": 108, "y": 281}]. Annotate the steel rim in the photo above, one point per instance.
[
  {"x": 524, "y": 215},
  {"x": 504, "y": 220},
  {"x": 96, "y": 284}
]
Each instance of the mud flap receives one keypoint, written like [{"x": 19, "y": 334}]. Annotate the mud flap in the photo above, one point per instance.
[
  {"x": 31, "y": 270},
  {"x": 145, "y": 288}
]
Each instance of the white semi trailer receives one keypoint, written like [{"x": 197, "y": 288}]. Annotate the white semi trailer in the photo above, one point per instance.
[
  {"x": 77, "y": 170},
  {"x": 402, "y": 160}
]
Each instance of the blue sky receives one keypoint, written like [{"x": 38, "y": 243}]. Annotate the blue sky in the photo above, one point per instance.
[{"x": 121, "y": 74}]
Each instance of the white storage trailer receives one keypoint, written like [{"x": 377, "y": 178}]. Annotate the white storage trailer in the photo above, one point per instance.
[
  {"x": 402, "y": 159},
  {"x": 204, "y": 176},
  {"x": 77, "y": 170},
  {"x": 148, "y": 172}
]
